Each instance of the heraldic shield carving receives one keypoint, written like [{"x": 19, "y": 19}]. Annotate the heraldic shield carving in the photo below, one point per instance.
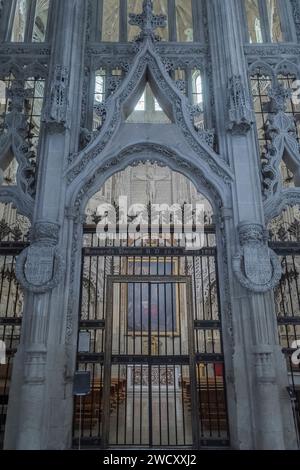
[
  {"x": 256, "y": 266},
  {"x": 40, "y": 267}
]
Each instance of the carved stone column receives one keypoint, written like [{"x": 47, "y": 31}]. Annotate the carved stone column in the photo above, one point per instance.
[
  {"x": 257, "y": 370},
  {"x": 40, "y": 407}
]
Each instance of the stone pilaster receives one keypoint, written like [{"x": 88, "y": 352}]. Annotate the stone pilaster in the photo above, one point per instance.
[
  {"x": 259, "y": 373},
  {"x": 39, "y": 415}
]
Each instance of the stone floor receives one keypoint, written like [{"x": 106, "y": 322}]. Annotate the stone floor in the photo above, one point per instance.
[{"x": 171, "y": 421}]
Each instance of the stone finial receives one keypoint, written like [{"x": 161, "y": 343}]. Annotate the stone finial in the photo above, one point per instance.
[{"x": 147, "y": 21}]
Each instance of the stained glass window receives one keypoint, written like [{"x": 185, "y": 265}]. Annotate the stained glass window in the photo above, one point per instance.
[
  {"x": 20, "y": 20},
  {"x": 160, "y": 7},
  {"x": 111, "y": 21},
  {"x": 40, "y": 21},
  {"x": 254, "y": 22},
  {"x": 30, "y": 21},
  {"x": 184, "y": 21}
]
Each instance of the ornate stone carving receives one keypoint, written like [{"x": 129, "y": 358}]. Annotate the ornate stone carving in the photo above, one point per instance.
[
  {"x": 14, "y": 138},
  {"x": 40, "y": 267},
  {"x": 279, "y": 96},
  {"x": 148, "y": 22},
  {"x": 181, "y": 110},
  {"x": 56, "y": 111},
  {"x": 281, "y": 131},
  {"x": 180, "y": 85},
  {"x": 256, "y": 266},
  {"x": 241, "y": 116},
  {"x": 114, "y": 82}
]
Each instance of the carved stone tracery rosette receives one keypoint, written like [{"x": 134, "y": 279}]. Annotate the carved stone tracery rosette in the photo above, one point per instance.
[
  {"x": 40, "y": 267},
  {"x": 256, "y": 266}
]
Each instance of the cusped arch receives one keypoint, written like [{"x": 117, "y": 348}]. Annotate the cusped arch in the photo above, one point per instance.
[
  {"x": 132, "y": 155},
  {"x": 263, "y": 68},
  {"x": 286, "y": 67},
  {"x": 286, "y": 198},
  {"x": 10, "y": 67}
]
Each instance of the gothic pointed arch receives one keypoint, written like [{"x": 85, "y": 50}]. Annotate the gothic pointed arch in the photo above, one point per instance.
[{"x": 196, "y": 146}]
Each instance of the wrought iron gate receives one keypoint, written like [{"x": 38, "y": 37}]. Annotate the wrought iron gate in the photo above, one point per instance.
[
  {"x": 287, "y": 304},
  {"x": 11, "y": 309},
  {"x": 150, "y": 335}
]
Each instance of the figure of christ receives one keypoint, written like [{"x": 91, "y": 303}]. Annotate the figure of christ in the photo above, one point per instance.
[{"x": 151, "y": 178}]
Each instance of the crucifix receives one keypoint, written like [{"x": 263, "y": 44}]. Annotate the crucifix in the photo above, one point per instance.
[
  {"x": 147, "y": 21},
  {"x": 151, "y": 178}
]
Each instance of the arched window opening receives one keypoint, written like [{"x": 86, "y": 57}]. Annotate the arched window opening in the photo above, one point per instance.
[
  {"x": 148, "y": 110},
  {"x": 184, "y": 21},
  {"x": 197, "y": 88},
  {"x": 99, "y": 96},
  {"x": 197, "y": 97}
]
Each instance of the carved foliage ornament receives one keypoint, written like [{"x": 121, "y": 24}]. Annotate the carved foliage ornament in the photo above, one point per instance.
[
  {"x": 56, "y": 110},
  {"x": 13, "y": 135},
  {"x": 241, "y": 115},
  {"x": 40, "y": 267},
  {"x": 256, "y": 266},
  {"x": 281, "y": 131}
]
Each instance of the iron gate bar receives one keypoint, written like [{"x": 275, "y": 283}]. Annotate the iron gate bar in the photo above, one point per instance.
[
  {"x": 117, "y": 260},
  {"x": 11, "y": 321},
  {"x": 151, "y": 360},
  {"x": 152, "y": 279},
  {"x": 147, "y": 251},
  {"x": 289, "y": 320},
  {"x": 93, "y": 358},
  {"x": 12, "y": 248},
  {"x": 208, "y": 229},
  {"x": 285, "y": 248},
  {"x": 92, "y": 324},
  {"x": 111, "y": 359}
]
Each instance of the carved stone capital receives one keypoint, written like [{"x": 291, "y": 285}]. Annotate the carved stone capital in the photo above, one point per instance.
[
  {"x": 45, "y": 233},
  {"x": 256, "y": 266}
]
